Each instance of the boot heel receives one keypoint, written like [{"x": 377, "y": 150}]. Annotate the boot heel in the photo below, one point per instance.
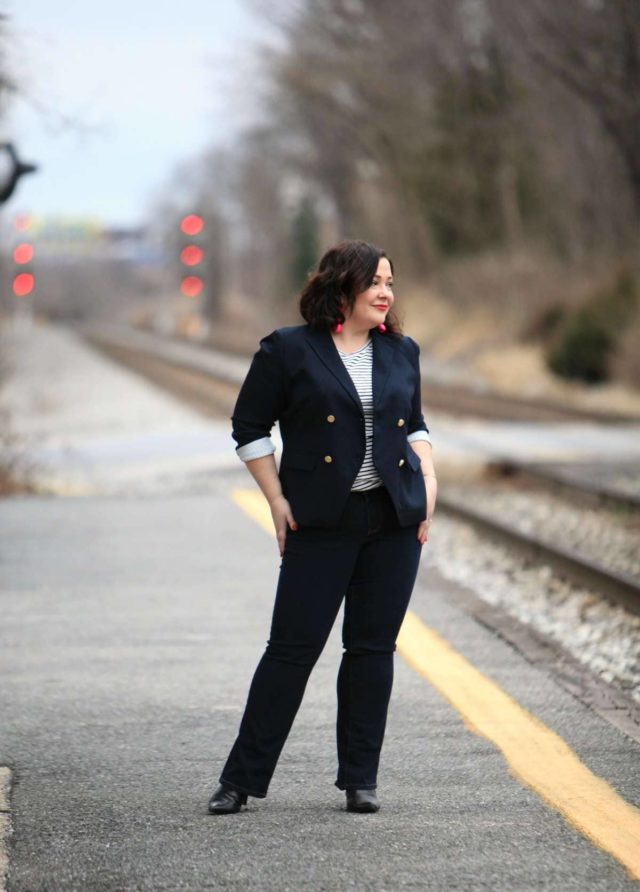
[{"x": 243, "y": 798}]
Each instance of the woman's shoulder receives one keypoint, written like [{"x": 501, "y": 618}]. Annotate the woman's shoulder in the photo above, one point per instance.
[
  {"x": 286, "y": 332},
  {"x": 291, "y": 332},
  {"x": 411, "y": 347},
  {"x": 284, "y": 335}
]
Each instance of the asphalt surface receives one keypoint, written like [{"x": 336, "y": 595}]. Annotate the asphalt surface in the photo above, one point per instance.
[{"x": 129, "y": 632}]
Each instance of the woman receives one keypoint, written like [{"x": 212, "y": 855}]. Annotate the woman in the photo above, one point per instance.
[{"x": 351, "y": 504}]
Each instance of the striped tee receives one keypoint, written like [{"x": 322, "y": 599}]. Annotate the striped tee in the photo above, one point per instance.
[{"x": 360, "y": 366}]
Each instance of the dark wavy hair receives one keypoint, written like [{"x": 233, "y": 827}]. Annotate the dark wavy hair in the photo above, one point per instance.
[{"x": 345, "y": 270}]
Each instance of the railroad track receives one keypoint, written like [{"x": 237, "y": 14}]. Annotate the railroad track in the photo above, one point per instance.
[
  {"x": 459, "y": 400},
  {"x": 209, "y": 381},
  {"x": 581, "y": 484}
]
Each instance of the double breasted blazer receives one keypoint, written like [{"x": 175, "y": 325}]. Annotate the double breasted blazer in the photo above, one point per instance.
[{"x": 297, "y": 378}]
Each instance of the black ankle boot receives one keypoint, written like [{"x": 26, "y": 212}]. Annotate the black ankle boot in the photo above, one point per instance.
[
  {"x": 362, "y": 800},
  {"x": 226, "y": 801}
]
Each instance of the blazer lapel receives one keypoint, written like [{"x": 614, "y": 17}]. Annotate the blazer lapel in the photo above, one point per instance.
[
  {"x": 383, "y": 349},
  {"x": 322, "y": 343}
]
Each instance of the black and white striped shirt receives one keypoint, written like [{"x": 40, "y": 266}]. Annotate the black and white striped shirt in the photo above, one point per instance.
[{"x": 360, "y": 367}]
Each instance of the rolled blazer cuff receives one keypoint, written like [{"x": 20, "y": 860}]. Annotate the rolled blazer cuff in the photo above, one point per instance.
[
  {"x": 256, "y": 449},
  {"x": 419, "y": 435}
]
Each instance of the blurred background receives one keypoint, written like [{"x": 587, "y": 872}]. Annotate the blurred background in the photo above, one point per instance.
[
  {"x": 192, "y": 165},
  {"x": 492, "y": 147}
]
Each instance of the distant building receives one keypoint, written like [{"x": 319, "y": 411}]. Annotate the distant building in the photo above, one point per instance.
[{"x": 87, "y": 238}]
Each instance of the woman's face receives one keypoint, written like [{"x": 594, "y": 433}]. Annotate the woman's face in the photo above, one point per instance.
[{"x": 371, "y": 306}]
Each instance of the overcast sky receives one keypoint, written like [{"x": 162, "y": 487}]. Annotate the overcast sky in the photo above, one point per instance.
[{"x": 150, "y": 83}]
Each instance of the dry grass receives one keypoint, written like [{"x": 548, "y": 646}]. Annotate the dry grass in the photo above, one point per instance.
[
  {"x": 475, "y": 311},
  {"x": 15, "y": 471}
]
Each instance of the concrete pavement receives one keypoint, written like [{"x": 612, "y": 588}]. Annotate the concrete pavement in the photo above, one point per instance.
[
  {"x": 130, "y": 631},
  {"x": 131, "y": 621}
]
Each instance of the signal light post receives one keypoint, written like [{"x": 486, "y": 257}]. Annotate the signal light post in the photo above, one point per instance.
[
  {"x": 192, "y": 255},
  {"x": 23, "y": 278}
]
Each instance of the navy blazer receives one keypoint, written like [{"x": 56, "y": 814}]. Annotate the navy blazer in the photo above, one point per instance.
[{"x": 298, "y": 379}]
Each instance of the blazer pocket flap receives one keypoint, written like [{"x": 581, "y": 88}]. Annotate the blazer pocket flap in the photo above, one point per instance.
[{"x": 303, "y": 461}]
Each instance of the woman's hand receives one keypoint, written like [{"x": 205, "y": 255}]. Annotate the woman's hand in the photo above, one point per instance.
[
  {"x": 282, "y": 517},
  {"x": 431, "y": 485}
]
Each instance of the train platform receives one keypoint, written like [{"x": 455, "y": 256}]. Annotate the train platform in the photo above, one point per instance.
[{"x": 135, "y": 605}]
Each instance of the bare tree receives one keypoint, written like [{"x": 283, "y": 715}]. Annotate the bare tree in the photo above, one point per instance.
[{"x": 593, "y": 48}]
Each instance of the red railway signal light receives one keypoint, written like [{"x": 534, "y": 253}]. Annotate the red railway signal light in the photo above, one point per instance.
[
  {"x": 22, "y": 222},
  {"x": 23, "y": 284},
  {"x": 192, "y": 224},
  {"x": 191, "y": 255},
  {"x": 191, "y": 286},
  {"x": 23, "y": 253}
]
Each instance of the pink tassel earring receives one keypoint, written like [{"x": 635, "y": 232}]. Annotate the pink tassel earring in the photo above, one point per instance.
[
  {"x": 382, "y": 327},
  {"x": 338, "y": 327}
]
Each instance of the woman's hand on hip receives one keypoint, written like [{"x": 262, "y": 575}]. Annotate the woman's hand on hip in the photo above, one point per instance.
[
  {"x": 282, "y": 519},
  {"x": 431, "y": 485}
]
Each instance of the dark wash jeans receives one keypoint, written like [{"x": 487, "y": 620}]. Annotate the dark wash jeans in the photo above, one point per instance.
[{"x": 370, "y": 560}]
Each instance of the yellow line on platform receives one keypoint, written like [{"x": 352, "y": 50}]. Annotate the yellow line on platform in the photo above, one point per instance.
[
  {"x": 536, "y": 755},
  {"x": 256, "y": 506}
]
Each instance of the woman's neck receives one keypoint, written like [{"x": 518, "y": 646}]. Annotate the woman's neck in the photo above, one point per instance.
[{"x": 350, "y": 341}]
